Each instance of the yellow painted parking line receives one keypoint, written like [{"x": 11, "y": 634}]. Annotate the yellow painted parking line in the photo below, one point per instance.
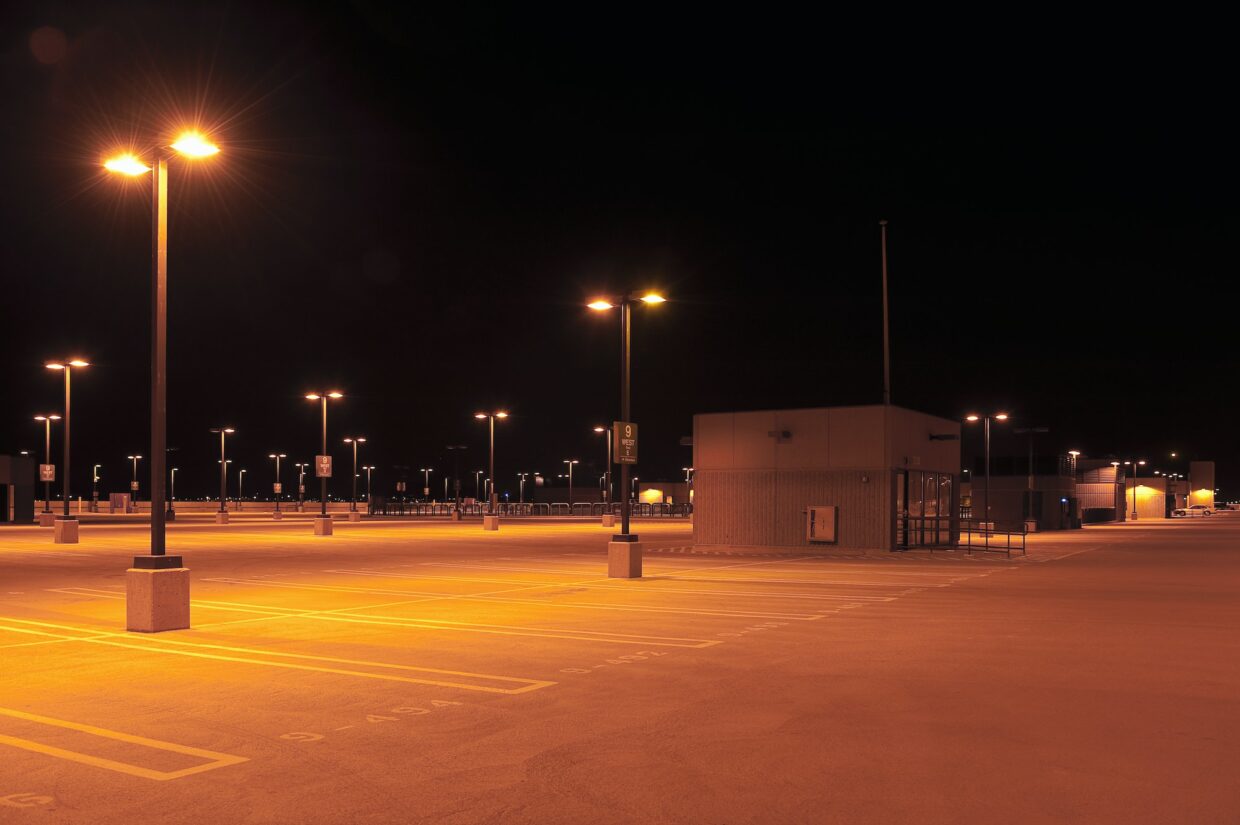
[
  {"x": 682, "y": 611},
  {"x": 214, "y": 759},
  {"x": 650, "y": 586},
  {"x": 351, "y": 615},
  {"x": 203, "y": 650}
]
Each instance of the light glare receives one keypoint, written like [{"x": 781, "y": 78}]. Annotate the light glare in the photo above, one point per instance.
[
  {"x": 126, "y": 164},
  {"x": 194, "y": 145},
  {"x": 653, "y": 298},
  {"x": 600, "y": 305}
]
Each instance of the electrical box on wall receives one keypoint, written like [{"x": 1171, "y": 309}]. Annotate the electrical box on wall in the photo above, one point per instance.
[{"x": 820, "y": 523}]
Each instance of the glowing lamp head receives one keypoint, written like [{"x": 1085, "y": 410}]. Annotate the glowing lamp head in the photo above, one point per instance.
[
  {"x": 194, "y": 145},
  {"x": 1074, "y": 453},
  {"x": 600, "y": 429},
  {"x": 126, "y": 164},
  {"x": 1001, "y": 417},
  {"x": 972, "y": 417},
  {"x": 501, "y": 414},
  {"x": 653, "y": 298},
  {"x": 480, "y": 415},
  {"x": 600, "y": 305},
  {"x": 334, "y": 394}
]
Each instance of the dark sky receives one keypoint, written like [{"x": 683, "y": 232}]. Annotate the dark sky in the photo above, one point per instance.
[{"x": 413, "y": 206}]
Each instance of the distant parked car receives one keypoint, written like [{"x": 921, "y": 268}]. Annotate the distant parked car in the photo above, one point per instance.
[{"x": 1191, "y": 511}]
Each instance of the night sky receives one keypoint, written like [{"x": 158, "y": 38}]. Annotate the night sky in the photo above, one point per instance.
[{"x": 413, "y": 206}]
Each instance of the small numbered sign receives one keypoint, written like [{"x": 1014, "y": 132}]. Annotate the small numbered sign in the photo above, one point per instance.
[
  {"x": 323, "y": 466},
  {"x": 301, "y": 488},
  {"x": 626, "y": 442},
  {"x": 47, "y": 472},
  {"x": 277, "y": 488},
  {"x": 133, "y": 485}
]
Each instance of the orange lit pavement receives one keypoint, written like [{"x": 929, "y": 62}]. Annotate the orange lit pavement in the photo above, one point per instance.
[{"x": 408, "y": 672}]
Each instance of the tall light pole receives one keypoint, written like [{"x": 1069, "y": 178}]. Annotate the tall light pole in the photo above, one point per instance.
[
  {"x": 456, "y": 449},
  {"x": 47, "y": 458},
  {"x": 66, "y": 526},
  {"x": 688, "y": 482},
  {"x": 521, "y": 487},
  {"x": 172, "y": 488},
  {"x": 426, "y": 482},
  {"x": 490, "y": 418},
  {"x": 625, "y": 562},
  {"x": 1136, "y": 465},
  {"x": 368, "y": 468},
  {"x": 477, "y": 484},
  {"x": 972, "y": 418},
  {"x": 322, "y": 466},
  {"x": 886, "y": 329},
  {"x": 353, "y": 498},
  {"x": 221, "y": 517},
  {"x": 240, "y": 486},
  {"x": 570, "y": 462},
  {"x": 133, "y": 483},
  {"x": 277, "y": 488},
  {"x": 301, "y": 485},
  {"x": 191, "y": 145},
  {"x": 607, "y": 466},
  {"x": 94, "y": 487}
]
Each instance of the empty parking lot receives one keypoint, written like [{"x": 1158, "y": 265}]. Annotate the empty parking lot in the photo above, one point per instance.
[{"x": 406, "y": 671}]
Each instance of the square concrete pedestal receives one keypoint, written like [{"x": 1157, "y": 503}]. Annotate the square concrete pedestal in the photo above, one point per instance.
[
  {"x": 490, "y": 522},
  {"x": 354, "y": 515},
  {"x": 157, "y": 600},
  {"x": 65, "y": 531},
  {"x": 455, "y": 515},
  {"x": 47, "y": 519},
  {"x": 624, "y": 559},
  {"x": 221, "y": 518},
  {"x": 609, "y": 520},
  {"x": 322, "y": 525},
  {"x": 277, "y": 515}
]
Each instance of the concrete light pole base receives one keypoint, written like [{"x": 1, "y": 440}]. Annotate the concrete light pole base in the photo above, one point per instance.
[
  {"x": 322, "y": 525},
  {"x": 609, "y": 520},
  {"x": 490, "y": 522},
  {"x": 624, "y": 559},
  {"x": 301, "y": 508},
  {"x": 221, "y": 518},
  {"x": 47, "y": 519},
  {"x": 157, "y": 600},
  {"x": 354, "y": 515},
  {"x": 277, "y": 515},
  {"x": 455, "y": 515},
  {"x": 65, "y": 531}
]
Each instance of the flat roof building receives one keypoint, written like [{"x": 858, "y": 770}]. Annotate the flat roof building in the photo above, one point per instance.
[{"x": 875, "y": 477}]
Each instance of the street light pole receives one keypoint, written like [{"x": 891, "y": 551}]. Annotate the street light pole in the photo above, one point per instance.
[
  {"x": 570, "y": 462},
  {"x": 353, "y": 498},
  {"x": 133, "y": 484},
  {"x": 172, "y": 489},
  {"x": 47, "y": 453},
  {"x": 240, "y": 487},
  {"x": 886, "y": 330},
  {"x": 221, "y": 517},
  {"x": 986, "y": 494},
  {"x": 490, "y": 417},
  {"x": 301, "y": 485},
  {"x": 68, "y": 532},
  {"x": 94, "y": 486},
  {"x": 323, "y": 524},
  {"x": 277, "y": 489},
  {"x": 521, "y": 487},
  {"x": 607, "y": 466},
  {"x": 625, "y": 562}
]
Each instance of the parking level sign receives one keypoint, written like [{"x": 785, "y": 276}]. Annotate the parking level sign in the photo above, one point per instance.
[
  {"x": 47, "y": 472},
  {"x": 323, "y": 466},
  {"x": 626, "y": 442}
]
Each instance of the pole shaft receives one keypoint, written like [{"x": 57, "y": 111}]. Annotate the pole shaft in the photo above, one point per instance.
[
  {"x": 68, "y": 370},
  {"x": 625, "y": 408},
  {"x": 323, "y": 480},
  {"x": 886, "y": 328},
  {"x": 47, "y": 459},
  {"x": 159, "y": 352},
  {"x": 491, "y": 498}
]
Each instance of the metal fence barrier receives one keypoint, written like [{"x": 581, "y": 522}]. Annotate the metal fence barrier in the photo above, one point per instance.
[{"x": 982, "y": 535}]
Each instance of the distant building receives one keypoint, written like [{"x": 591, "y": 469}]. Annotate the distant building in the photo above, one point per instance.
[{"x": 878, "y": 477}]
